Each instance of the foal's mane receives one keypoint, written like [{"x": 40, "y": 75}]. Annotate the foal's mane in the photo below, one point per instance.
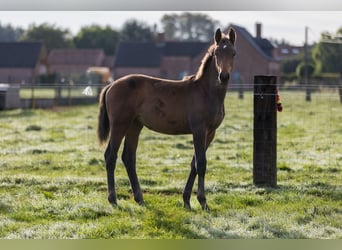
[{"x": 205, "y": 62}]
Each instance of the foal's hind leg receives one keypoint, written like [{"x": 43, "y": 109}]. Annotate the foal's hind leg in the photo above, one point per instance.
[
  {"x": 129, "y": 159},
  {"x": 189, "y": 184},
  {"x": 110, "y": 158}
]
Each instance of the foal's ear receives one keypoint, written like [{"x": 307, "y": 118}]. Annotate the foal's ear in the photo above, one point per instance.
[
  {"x": 218, "y": 36},
  {"x": 232, "y": 36}
]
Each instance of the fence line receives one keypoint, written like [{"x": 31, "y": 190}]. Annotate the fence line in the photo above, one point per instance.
[
  {"x": 46, "y": 96},
  {"x": 309, "y": 134}
]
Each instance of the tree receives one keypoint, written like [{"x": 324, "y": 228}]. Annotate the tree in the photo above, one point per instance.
[
  {"x": 327, "y": 54},
  {"x": 52, "y": 36},
  {"x": 289, "y": 66},
  {"x": 188, "y": 26},
  {"x": 300, "y": 70},
  {"x": 134, "y": 30},
  {"x": 95, "y": 36},
  {"x": 9, "y": 33}
]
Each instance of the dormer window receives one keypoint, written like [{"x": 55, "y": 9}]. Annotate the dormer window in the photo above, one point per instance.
[
  {"x": 284, "y": 51},
  {"x": 295, "y": 51}
]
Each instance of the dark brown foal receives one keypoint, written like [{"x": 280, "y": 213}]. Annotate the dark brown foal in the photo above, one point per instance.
[{"x": 194, "y": 105}]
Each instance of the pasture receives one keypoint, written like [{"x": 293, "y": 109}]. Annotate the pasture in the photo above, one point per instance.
[{"x": 53, "y": 177}]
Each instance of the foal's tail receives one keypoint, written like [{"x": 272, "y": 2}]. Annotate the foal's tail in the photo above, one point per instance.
[{"x": 103, "y": 121}]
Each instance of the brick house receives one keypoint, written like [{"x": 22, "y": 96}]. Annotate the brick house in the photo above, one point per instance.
[
  {"x": 22, "y": 62},
  {"x": 170, "y": 60},
  {"x": 255, "y": 56},
  {"x": 287, "y": 51},
  {"x": 66, "y": 62}
]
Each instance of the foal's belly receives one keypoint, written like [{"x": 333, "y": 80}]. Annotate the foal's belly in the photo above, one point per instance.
[
  {"x": 164, "y": 119},
  {"x": 165, "y": 125}
]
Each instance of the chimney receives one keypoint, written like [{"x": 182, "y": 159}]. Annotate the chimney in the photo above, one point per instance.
[
  {"x": 258, "y": 30},
  {"x": 160, "y": 37}
]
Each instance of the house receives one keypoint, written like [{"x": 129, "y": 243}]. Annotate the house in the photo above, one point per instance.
[
  {"x": 22, "y": 62},
  {"x": 287, "y": 51},
  {"x": 173, "y": 60},
  {"x": 166, "y": 59},
  {"x": 255, "y": 56},
  {"x": 67, "y": 62}
]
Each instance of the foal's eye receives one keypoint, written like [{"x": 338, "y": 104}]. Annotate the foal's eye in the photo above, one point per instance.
[{"x": 234, "y": 53}]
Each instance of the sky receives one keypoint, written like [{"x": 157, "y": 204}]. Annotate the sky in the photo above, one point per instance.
[{"x": 288, "y": 25}]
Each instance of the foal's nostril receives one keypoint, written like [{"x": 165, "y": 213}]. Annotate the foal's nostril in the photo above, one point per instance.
[{"x": 224, "y": 77}]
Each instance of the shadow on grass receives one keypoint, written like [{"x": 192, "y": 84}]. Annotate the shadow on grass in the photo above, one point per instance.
[
  {"x": 19, "y": 113},
  {"x": 318, "y": 189}
]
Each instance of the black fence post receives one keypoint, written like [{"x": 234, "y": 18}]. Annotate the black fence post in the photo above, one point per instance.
[
  {"x": 265, "y": 131},
  {"x": 308, "y": 93}
]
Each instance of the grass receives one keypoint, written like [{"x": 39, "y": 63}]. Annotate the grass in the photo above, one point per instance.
[{"x": 53, "y": 185}]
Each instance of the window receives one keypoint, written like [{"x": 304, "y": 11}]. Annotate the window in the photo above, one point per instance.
[
  {"x": 284, "y": 51},
  {"x": 295, "y": 51}
]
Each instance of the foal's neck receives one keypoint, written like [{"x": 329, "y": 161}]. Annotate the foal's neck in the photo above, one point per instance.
[{"x": 210, "y": 82}]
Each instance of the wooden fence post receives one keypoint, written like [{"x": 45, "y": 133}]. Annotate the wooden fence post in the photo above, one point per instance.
[{"x": 265, "y": 131}]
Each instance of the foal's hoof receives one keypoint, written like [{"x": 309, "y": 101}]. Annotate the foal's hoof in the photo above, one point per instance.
[
  {"x": 187, "y": 205},
  {"x": 205, "y": 207},
  {"x": 141, "y": 203},
  {"x": 139, "y": 199},
  {"x": 112, "y": 199},
  {"x": 113, "y": 203}
]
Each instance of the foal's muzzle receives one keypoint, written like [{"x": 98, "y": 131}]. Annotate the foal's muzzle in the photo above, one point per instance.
[{"x": 224, "y": 77}]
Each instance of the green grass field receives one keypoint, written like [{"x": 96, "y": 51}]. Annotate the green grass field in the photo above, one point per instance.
[{"x": 53, "y": 184}]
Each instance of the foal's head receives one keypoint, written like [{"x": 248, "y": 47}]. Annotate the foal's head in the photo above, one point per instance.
[{"x": 224, "y": 53}]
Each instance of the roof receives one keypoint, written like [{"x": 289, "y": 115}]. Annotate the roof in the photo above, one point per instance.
[
  {"x": 149, "y": 54},
  {"x": 20, "y": 54},
  {"x": 191, "y": 49},
  {"x": 77, "y": 56},
  {"x": 137, "y": 54},
  {"x": 263, "y": 46}
]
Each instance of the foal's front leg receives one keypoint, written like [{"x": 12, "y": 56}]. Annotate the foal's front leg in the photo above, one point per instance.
[
  {"x": 193, "y": 172},
  {"x": 201, "y": 166}
]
